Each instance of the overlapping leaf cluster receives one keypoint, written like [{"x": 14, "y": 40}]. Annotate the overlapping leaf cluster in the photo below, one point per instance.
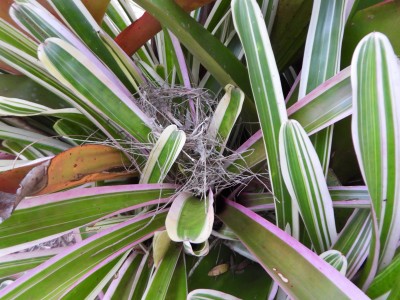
[{"x": 206, "y": 163}]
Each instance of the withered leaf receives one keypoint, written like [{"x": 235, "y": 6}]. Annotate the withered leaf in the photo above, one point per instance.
[
  {"x": 218, "y": 270},
  {"x": 33, "y": 182},
  {"x": 71, "y": 168},
  {"x": 7, "y": 205}
]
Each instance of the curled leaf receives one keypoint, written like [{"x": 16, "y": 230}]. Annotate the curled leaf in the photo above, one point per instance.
[
  {"x": 190, "y": 219},
  {"x": 7, "y": 202}
]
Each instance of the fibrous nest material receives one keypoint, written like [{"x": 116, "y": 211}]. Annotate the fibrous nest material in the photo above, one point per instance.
[{"x": 202, "y": 165}]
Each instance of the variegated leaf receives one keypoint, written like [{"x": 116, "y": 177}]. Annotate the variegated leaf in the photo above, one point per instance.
[
  {"x": 336, "y": 260},
  {"x": 376, "y": 137},
  {"x": 163, "y": 155},
  {"x": 306, "y": 183},
  {"x": 77, "y": 72},
  {"x": 268, "y": 96},
  {"x": 190, "y": 219},
  {"x": 225, "y": 115}
]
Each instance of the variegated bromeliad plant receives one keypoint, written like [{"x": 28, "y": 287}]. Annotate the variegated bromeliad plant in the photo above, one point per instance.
[{"x": 179, "y": 166}]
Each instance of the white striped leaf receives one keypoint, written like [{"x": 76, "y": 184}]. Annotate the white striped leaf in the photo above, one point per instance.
[
  {"x": 169, "y": 280},
  {"x": 324, "y": 43},
  {"x": 45, "y": 216},
  {"x": 93, "y": 86},
  {"x": 354, "y": 240},
  {"x": 342, "y": 197},
  {"x": 41, "y": 24},
  {"x": 376, "y": 138},
  {"x": 201, "y": 249},
  {"x": 123, "y": 285},
  {"x": 20, "y": 262},
  {"x": 93, "y": 282},
  {"x": 385, "y": 280},
  {"x": 14, "y": 37},
  {"x": 225, "y": 115},
  {"x": 268, "y": 96},
  {"x": 306, "y": 183},
  {"x": 336, "y": 260},
  {"x": 324, "y": 106},
  {"x": 190, "y": 219},
  {"x": 65, "y": 269},
  {"x": 118, "y": 16},
  {"x": 205, "y": 294},
  {"x": 37, "y": 140},
  {"x": 322, "y": 59},
  {"x": 28, "y": 64},
  {"x": 76, "y": 16},
  {"x": 22, "y": 150},
  {"x": 300, "y": 273},
  {"x": 9, "y": 164},
  {"x": 131, "y": 71},
  {"x": 216, "y": 58},
  {"x": 22, "y": 108},
  {"x": 163, "y": 155}
]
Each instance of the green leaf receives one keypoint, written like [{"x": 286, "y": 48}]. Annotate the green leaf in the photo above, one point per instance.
[
  {"x": 79, "y": 20},
  {"x": 268, "y": 97},
  {"x": 306, "y": 183},
  {"x": 322, "y": 60},
  {"x": 324, "y": 106},
  {"x": 161, "y": 243},
  {"x": 205, "y": 294},
  {"x": 38, "y": 140},
  {"x": 385, "y": 280},
  {"x": 278, "y": 252},
  {"x": 214, "y": 56},
  {"x": 31, "y": 67},
  {"x": 376, "y": 138},
  {"x": 22, "y": 87},
  {"x": 336, "y": 260},
  {"x": 21, "y": 262},
  {"x": 76, "y": 133},
  {"x": 382, "y": 17},
  {"x": 93, "y": 282},
  {"x": 107, "y": 97},
  {"x": 163, "y": 155},
  {"x": 166, "y": 276},
  {"x": 290, "y": 30},
  {"x": 225, "y": 115},
  {"x": 17, "y": 39},
  {"x": 22, "y": 150},
  {"x": 122, "y": 286},
  {"x": 45, "y": 216},
  {"x": 190, "y": 219},
  {"x": 63, "y": 270},
  {"x": 354, "y": 240},
  {"x": 241, "y": 274}
]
